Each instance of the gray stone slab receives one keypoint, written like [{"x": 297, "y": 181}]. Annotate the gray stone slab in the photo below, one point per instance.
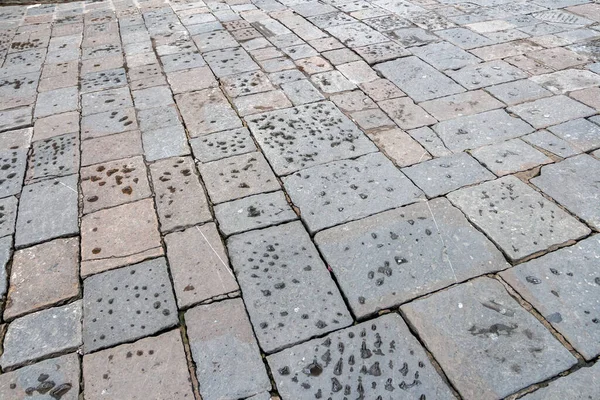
[
  {"x": 305, "y": 136},
  {"x": 418, "y": 79},
  {"x": 126, "y": 304},
  {"x": 507, "y": 348},
  {"x": 287, "y": 289},
  {"x": 106, "y": 100},
  {"x": 486, "y": 74},
  {"x": 356, "y": 34},
  {"x": 108, "y": 123},
  {"x": 462, "y": 104},
  {"x": 430, "y": 141},
  {"x": 253, "y": 212},
  {"x": 156, "y": 96},
  {"x": 332, "y": 82},
  {"x": 222, "y": 331},
  {"x": 8, "y": 215},
  {"x": 182, "y": 60},
  {"x": 446, "y": 174},
  {"x": 444, "y": 55},
  {"x": 12, "y": 171},
  {"x": 346, "y": 190},
  {"x": 214, "y": 40},
  {"x": 207, "y": 111},
  {"x": 509, "y": 157},
  {"x": 580, "y": 133},
  {"x": 379, "y": 52},
  {"x": 390, "y": 258},
  {"x": 158, "y": 117},
  {"x": 410, "y": 37},
  {"x": 165, "y": 142},
  {"x": 225, "y": 62},
  {"x": 581, "y": 384},
  {"x": 551, "y": 143},
  {"x": 301, "y": 92},
  {"x": 464, "y": 38},
  {"x": 561, "y": 82},
  {"x": 222, "y": 144},
  {"x": 516, "y": 217},
  {"x": 109, "y": 79},
  {"x": 47, "y": 209},
  {"x": 246, "y": 83},
  {"x": 57, "y": 378},
  {"x": 56, "y": 102},
  {"x": 375, "y": 359},
  {"x": 5, "y": 253},
  {"x": 15, "y": 118},
  {"x": 551, "y": 111},
  {"x": 53, "y": 157},
  {"x": 519, "y": 91},
  {"x": 473, "y": 131},
  {"x": 20, "y": 90},
  {"x": 49, "y": 332}
]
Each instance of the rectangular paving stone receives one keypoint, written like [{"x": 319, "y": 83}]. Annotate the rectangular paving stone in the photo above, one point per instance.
[
  {"x": 154, "y": 366},
  {"x": 547, "y": 141},
  {"x": 332, "y": 82},
  {"x": 288, "y": 292},
  {"x": 12, "y": 170},
  {"x": 308, "y": 135},
  {"x": 486, "y": 74},
  {"x": 356, "y": 34},
  {"x": 261, "y": 102},
  {"x": 445, "y": 174},
  {"x": 509, "y": 157},
  {"x": 47, "y": 210},
  {"x": 399, "y": 146},
  {"x": 410, "y": 37},
  {"x": 346, "y": 190},
  {"x": 56, "y": 101},
  {"x": 191, "y": 80},
  {"x": 516, "y": 217},
  {"x": 103, "y": 149},
  {"x": 246, "y": 83},
  {"x": 417, "y": 79},
  {"x": 444, "y": 55},
  {"x": 106, "y": 100},
  {"x": 462, "y": 104},
  {"x": 53, "y": 157},
  {"x": 375, "y": 359},
  {"x": 582, "y": 383},
  {"x": 221, "y": 331},
  {"x": 568, "y": 80},
  {"x": 517, "y": 92},
  {"x": 109, "y": 79},
  {"x": 406, "y": 114},
  {"x": 464, "y": 38},
  {"x": 56, "y": 125},
  {"x": 206, "y": 111},
  {"x": 8, "y": 215},
  {"x": 182, "y": 60},
  {"x": 19, "y": 90},
  {"x": 473, "y": 131},
  {"x": 15, "y": 118},
  {"x": 126, "y": 304},
  {"x": 165, "y": 142},
  {"x": 158, "y": 117},
  {"x": 580, "y": 133},
  {"x": 551, "y": 111},
  {"x": 389, "y": 258},
  {"x": 57, "y": 377},
  {"x": 222, "y": 144},
  {"x": 225, "y": 62},
  {"x": 49, "y": 332},
  {"x": 491, "y": 330},
  {"x": 379, "y": 52},
  {"x": 301, "y": 92},
  {"x": 20, "y": 138},
  {"x": 108, "y": 123}
]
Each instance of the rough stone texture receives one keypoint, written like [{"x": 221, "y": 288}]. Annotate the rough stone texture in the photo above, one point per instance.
[
  {"x": 5, "y": 253},
  {"x": 151, "y": 368},
  {"x": 581, "y": 133},
  {"x": 12, "y": 170},
  {"x": 228, "y": 362},
  {"x": 510, "y": 157},
  {"x": 517, "y": 92},
  {"x": 341, "y": 191},
  {"x": 53, "y": 157},
  {"x": 462, "y": 104},
  {"x": 390, "y": 258},
  {"x": 200, "y": 110},
  {"x": 225, "y": 62},
  {"x": 103, "y": 149},
  {"x": 127, "y": 304},
  {"x": 399, "y": 146},
  {"x": 378, "y": 358},
  {"x": 506, "y": 347},
  {"x": 551, "y": 111},
  {"x": 406, "y": 113},
  {"x": 8, "y": 215},
  {"x": 486, "y": 74},
  {"x": 545, "y": 140},
  {"x": 583, "y": 384},
  {"x": 287, "y": 289},
  {"x": 224, "y": 144},
  {"x": 516, "y": 217}
]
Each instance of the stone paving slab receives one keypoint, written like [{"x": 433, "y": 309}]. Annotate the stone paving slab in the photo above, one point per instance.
[
  {"x": 509, "y": 157},
  {"x": 580, "y": 384}
]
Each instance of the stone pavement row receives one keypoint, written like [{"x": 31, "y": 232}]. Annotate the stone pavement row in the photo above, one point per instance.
[{"x": 254, "y": 199}]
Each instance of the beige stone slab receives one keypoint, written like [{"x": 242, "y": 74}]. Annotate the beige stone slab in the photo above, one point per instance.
[
  {"x": 55, "y": 125},
  {"x": 113, "y": 147},
  {"x": 400, "y": 147},
  {"x": 406, "y": 114}
]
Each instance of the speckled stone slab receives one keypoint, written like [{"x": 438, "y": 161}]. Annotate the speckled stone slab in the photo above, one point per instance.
[
  {"x": 8, "y": 215},
  {"x": 509, "y": 157},
  {"x": 488, "y": 346},
  {"x": 373, "y": 360},
  {"x": 581, "y": 133},
  {"x": 516, "y": 217},
  {"x": 222, "y": 145},
  {"x": 287, "y": 289},
  {"x": 486, "y": 74},
  {"x": 345, "y": 190},
  {"x": 581, "y": 384},
  {"x": 551, "y": 111},
  {"x": 109, "y": 79},
  {"x": 12, "y": 171},
  {"x": 225, "y": 62},
  {"x": 126, "y": 304},
  {"x": 304, "y": 136},
  {"x": 52, "y": 157}
]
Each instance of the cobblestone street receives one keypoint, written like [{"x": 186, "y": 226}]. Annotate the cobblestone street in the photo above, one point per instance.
[{"x": 300, "y": 199}]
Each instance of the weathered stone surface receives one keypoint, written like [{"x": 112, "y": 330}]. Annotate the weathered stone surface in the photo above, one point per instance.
[
  {"x": 516, "y": 217},
  {"x": 43, "y": 275},
  {"x": 402, "y": 149},
  {"x": 486, "y": 74},
  {"x": 151, "y": 368},
  {"x": 20, "y": 138},
  {"x": 381, "y": 89},
  {"x": 405, "y": 113},
  {"x": 519, "y": 91},
  {"x": 553, "y": 144},
  {"x": 569, "y": 80},
  {"x": 390, "y": 258},
  {"x": 8, "y": 215},
  {"x": 246, "y": 83},
  {"x": 446, "y": 174},
  {"x": 378, "y": 358},
  {"x": 103, "y": 149},
  {"x": 56, "y": 102},
  {"x": 379, "y": 52},
  {"x": 206, "y": 111},
  {"x": 507, "y": 348},
  {"x": 126, "y": 304},
  {"x": 191, "y": 80},
  {"x": 108, "y": 123},
  {"x": 410, "y": 37},
  {"x": 106, "y": 100},
  {"x": 332, "y": 82},
  {"x": 256, "y": 103},
  {"x": 224, "y": 144},
  {"x": 509, "y": 157},
  {"x": 580, "y": 384},
  {"x": 580, "y": 133},
  {"x": 551, "y": 111},
  {"x": 15, "y": 118},
  {"x": 301, "y": 92},
  {"x": 12, "y": 170},
  {"x": 47, "y": 209},
  {"x": 182, "y": 60},
  {"x": 109, "y": 79},
  {"x": 225, "y": 62},
  {"x": 165, "y": 142},
  {"x": 356, "y": 34},
  {"x": 462, "y": 104},
  {"x": 287, "y": 289},
  {"x": 49, "y": 332},
  {"x": 307, "y": 135},
  {"x": 221, "y": 331},
  {"x": 444, "y": 55},
  {"x": 53, "y": 157},
  {"x": 464, "y": 38},
  {"x": 5, "y": 253}
]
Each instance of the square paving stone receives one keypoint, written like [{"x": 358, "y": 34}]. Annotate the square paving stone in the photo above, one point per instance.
[
  {"x": 444, "y": 55},
  {"x": 199, "y": 265},
  {"x": 473, "y": 131},
  {"x": 8, "y": 215},
  {"x": 574, "y": 184},
  {"x": 178, "y": 193},
  {"x": 462, "y": 104},
  {"x": 239, "y": 176},
  {"x": 301, "y": 92},
  {"x": 156, "y": 96},
  {"x": 126, "y": 304},
  {"x": 106, "y": 100},
  {"x": 332, "y": 82},
  {"x": 117, "y": 182},
  {"x": 410, "y": 37},
  {"x": 375, "y": 359},
  {"x": 103, "y": 149},
  {"x": 12, "y": 170},
  {"x": 381, "y": 89},
  {"x": 562, "y": 286},
  {"x": 58, "y": 378},
  {"x": 486, "y": 74},
  {"x": 253, "y": 212},
  {"x": 159, "y": 117},
  {"x": 15, "y": 118},
  {"x": 108, "y": 123},
  {"x": 406, "y": 114},
  {"x": 20, "y": 138},
  {"x": 417, "y": 79},
  {"x": 43, "y": 275},
  {"x": 581, "y": 384},
  {"x": 49, "y": 332},
  {"x": 47, "y": 210},
  {"x": 445, "y": 174},
  {"x": 222, "y": 331},
  {"x": 569, "y": 80},
  {"x": 246, "y": 83},
  {"x": 151, "y": 368},
  {"x": 580, "y": 133},
  {"x": 53, "y": 157},
  {"x": 506, "y": 347},
  {"x": 17, "y": 91},
  {"x": 225, "y": 62},
  {"x": 551, "y": 111},
  {"x": 56, "y": 102},
  {"x": 56, "y": 125},
  {"x": 307, "y": 135},
  {"x": 464, "y": 38},
  {"x": 288, "y": 291},
  {"x": 517, "y": 92},
  {"x": 106, "y": 237},
  {"x": 109, "y": 79},
  {"x": 261, "y": 102},
  {"x": 346, "y": 190},
  {"x": 516, "y": 217},
  {"x": 389, "y": 258},
  {"x": 379, "y": 52},
  {"x": 169, "y": 141},
  {"x": 222, "y": 144},
  {"x": 191, "y": 80},
  {"x": 214, "y": 40},
  {"x": 182, "y": 60},
  {"x": 551, "y": 143},
  {"x": 509, "y": 157},
  {"x": 207, "y": 111}
]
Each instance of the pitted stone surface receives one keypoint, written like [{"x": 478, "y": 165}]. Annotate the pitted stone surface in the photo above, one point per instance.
[
  {"x": 581, "y": 133},
  {"x": 222, "y": 145},
  {"x": 341, "y": 191},
  {"x": 390, "y": 258},
  {"x": 516, "y": 217},
  {"x": 308, "y": 135},
  {"x": 181, "y": 60},
  {"x": 486, "y": 74},
  {"x": 509, "y": 157},
  {"x": 246, "y": 83},
  {"x": 5, "y": 254},
  {"x": 15, "y": 118},
  {"x": 375, "y": 359},
  {"x": 580, "y": 384},
  {"x": 126, "y": 304},
  {"x": 12, "y": 170},
  {"x": 8, "y": 215},
  {"x": 507, "y": 348},
  {"x": 106, "y": 100},
  {"x": 551, "y": 111},
  {"x": 462, "y": 104},
  {"x": 519, "y": 91},
  {"x": 108, "y": 123},
  {"x": 207, "y": 111},
  {"x": 230, "y": 61},
  {"x": 547, "y": 141},
  {"x": 287, "y": 289},
  {"x": 53, "y": 157},
  {"x": 109, "y": 79},
  {"x": 444, "y": 55}
]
